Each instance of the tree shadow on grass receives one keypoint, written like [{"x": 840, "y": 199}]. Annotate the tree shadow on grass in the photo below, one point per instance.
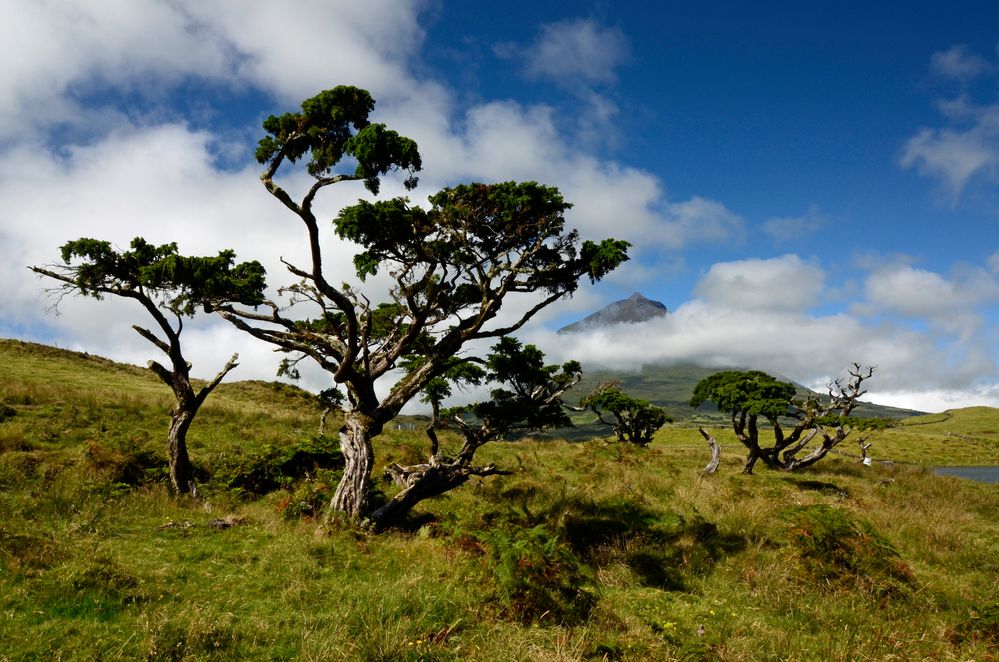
[{"x": 662, "y": 549}]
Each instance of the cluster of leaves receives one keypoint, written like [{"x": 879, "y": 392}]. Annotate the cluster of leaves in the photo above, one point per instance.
[
  {"x": 333, "y": 125},
  {"x": 635, "y": 421},
  {"x": 183, "y": 283},
  {"x": 752, "y": 392},
  {"x": 519, "y": 403}
]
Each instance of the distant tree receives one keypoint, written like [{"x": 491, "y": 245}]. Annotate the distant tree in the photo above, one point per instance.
[
  {"x": 635, "y": 421},
  {"x": 527, "y": 398},
  {"x": 169, "y": 286},
  {"x": 451, "y": 268},
  {"x": 750, "y": 395}
]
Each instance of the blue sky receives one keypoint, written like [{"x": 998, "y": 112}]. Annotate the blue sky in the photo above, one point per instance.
[{"x": 806, "y": 185}]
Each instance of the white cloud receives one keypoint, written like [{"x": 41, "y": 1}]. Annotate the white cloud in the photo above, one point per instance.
[
  {"x": 760, "y": 314},
  {"x": 966, "y": 149},
  {"x": 957, "y": 63},
  {"x": 953, "y": 156},
  {"x": 920, "y": 293},
  {"x": 786, "y": 283},
  {"x": 993, "y": 262},
  {"x": 577, "y": 51}
]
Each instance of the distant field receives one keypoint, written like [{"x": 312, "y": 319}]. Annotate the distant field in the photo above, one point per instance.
[{"x": 587, "y": 551}]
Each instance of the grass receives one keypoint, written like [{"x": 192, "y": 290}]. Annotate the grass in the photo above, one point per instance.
[{"x": 587, "y": 551}]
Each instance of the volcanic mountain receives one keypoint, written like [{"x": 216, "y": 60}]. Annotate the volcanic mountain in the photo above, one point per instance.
[{"x": 635, "y": 308}]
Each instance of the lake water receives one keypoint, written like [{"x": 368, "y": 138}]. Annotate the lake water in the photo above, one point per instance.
[{"x": 981, "y": 474}]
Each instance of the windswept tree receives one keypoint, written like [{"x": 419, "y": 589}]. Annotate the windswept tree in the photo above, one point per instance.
[
  {"x": 451, "y": 268},
  {"x": 634, "y": 420},
  {"x": 527, "y": 397},
  {"x": 170, "y": 287},
  {"x": 748, "y": 396}
]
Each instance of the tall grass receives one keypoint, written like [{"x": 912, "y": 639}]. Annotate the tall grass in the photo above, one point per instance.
[{"x": 586, "y": 551}]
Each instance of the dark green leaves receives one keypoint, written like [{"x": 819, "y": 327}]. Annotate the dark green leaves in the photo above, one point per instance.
[
  {"x": 637, "y": 420},
  {"x": 332, "y": 126},
  {"x": 752, "y": 392},
  {"x": 527, "y": 396},
  {"x": 183, "y": 283}
]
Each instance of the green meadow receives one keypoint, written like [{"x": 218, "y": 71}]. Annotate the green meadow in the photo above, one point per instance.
[{"x": 588, "y": 550}]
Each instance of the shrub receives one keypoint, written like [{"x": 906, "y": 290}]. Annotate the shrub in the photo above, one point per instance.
[
  {"x": 128, "y": 466},
  {"x": 537, "y": 577},
  {"x": 275, "y": 467},
  {"x": 308, "y": 499},
  {"x": 839, "y": 550}
]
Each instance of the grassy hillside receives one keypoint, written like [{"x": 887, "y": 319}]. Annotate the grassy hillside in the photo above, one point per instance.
[{"x": 586, "y": 552}]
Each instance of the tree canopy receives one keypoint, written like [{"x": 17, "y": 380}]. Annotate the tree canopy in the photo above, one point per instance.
[
  {"x": 749, "y": 395},
  {"x": 526, "y": 397},
  {"x": 635, "y": 421},
  {"x": 451, "y": 267},
  {"x": 165, "y": 283}
]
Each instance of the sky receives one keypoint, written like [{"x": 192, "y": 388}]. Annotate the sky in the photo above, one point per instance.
[{"x": 805, "y": 185}]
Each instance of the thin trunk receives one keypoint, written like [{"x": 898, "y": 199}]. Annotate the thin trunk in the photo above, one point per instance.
[
  {"x": 351, "y": 496},
  {"x": 715, "y": 451},
  {"x": 181, "y": 470}
]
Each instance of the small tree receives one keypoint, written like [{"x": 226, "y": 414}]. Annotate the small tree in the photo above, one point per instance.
[
  {"x": 452, "y": 266},
  {"x": 635, "y": 421},
  {"x": 749, "y": 395},
  {"x": 527, "y": 398},
  {"x": 167, "y": 285}
]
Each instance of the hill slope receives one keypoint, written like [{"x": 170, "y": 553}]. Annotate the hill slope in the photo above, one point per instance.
[{"x": 585, "y": 551}]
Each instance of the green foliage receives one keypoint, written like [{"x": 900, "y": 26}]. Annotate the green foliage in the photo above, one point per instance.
[
  {"x": 527, "y": 397},
  {"x": 183, "y": 283},
  {"x": 475, "y": 224},
  {"x": 132, "y": 465},
  {"x": 308, "y": 498},
  {"x": 836, "y": 548},
  {"x": 636, "y": 420},
  {"x": 333, "y": 125},
  {"x": 752, "y": 392},
  {"x": 537, "y": 577},
  {"x": 271, "y": 467}
]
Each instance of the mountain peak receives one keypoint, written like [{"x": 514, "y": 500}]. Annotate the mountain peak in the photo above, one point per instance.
[{"x": 636, "y": 308}]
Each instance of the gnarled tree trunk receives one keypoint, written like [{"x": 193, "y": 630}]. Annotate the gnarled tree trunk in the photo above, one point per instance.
[
  {"x": 422, "y": 481},
  {"x": 352, "y": 494},
  {"x": 181, "y": 469}
]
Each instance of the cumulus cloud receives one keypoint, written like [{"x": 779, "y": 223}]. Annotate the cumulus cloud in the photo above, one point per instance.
[
  {"x": 761, "y": 314},
  {"x": 993, "y": 262},
  {"x": 953, "y": 156},
  {"x": 577, "y": 51},
  {"x": 785, "y": 283},
  {"x": 919, "y": 293}
]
